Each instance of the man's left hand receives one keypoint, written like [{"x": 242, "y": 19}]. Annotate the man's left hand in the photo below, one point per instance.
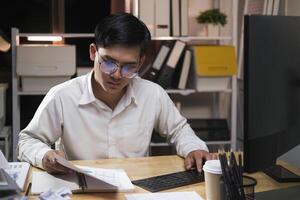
[{"x": 197, "y": 158}]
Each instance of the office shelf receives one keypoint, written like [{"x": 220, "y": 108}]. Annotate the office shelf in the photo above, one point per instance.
[
  {"x": 182, "y": 92},
  {"x": 21, "y": 93},
  {"x": 191, "y": 38},
  {"x": 63, "y": 35},
  {"x": 16, "y": 91},
  {"x": 214, "y": 92}
]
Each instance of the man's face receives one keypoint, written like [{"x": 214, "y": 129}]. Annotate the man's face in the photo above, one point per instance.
[{"x": 115, "y": 82}]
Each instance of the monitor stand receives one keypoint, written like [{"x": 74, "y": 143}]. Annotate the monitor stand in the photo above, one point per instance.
[{"x": 281, "y": 174}]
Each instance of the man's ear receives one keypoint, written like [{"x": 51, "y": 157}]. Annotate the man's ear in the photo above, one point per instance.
[{"x": 93, "y": 51}]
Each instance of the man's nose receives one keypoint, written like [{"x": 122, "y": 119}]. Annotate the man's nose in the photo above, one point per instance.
[{"x": 117, "y": 74}]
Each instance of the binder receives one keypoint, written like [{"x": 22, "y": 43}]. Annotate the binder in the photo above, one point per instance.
[
  {"x": 185, "y": 69},
  {"x": 184, "y": 24},
  {"x": 167, "y": 72},
  {"x": 269, "y": 7},
  {"x": 160, "y": 59},
  {"x": 162, "y": 18},
  {"x": 147, "y": 14},
  {"x": 132, "y": 6},
  {"x": 175, "y": 17},
  {"x": 177, "y": 72},
  {"x": 276, "y": 4},
  {"x": 215, "y": 60}
]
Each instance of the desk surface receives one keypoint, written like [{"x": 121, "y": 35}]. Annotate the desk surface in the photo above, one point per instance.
[{"x": 138, "y": 168}]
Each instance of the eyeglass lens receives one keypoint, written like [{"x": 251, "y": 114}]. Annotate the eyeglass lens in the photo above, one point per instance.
[{"x": 110, "y": 67}]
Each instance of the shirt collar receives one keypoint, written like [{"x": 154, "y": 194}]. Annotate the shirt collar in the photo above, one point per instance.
[
  {"x": 130, "y": 96},
  {"x": 89, "y": 97}
]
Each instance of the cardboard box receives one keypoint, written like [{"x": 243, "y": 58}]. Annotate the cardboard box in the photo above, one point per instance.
[{"x": 43, "y": 66}]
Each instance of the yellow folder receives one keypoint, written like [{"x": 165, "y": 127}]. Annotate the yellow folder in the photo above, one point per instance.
[{"x": 219, "y": 60}]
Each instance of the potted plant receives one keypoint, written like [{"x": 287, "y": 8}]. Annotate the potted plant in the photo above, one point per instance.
[{"x": 212, "y": 19}]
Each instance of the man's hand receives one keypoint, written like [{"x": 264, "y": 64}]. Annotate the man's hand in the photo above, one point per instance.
[
  {"x": 197, "y": 158},
  {"x": 50, "y": 164}
]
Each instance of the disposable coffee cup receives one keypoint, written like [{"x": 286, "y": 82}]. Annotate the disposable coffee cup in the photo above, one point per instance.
[{"x": 212, "y": 173}]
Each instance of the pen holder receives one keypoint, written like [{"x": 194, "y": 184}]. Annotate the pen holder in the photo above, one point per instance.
[{"x": 248, "y": 187}]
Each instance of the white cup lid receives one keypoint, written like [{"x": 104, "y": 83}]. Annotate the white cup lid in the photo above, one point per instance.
[{"x": 213, "y": 166}]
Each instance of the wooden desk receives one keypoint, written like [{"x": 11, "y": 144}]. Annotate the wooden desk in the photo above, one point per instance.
[{"x": 138, "y": 168}]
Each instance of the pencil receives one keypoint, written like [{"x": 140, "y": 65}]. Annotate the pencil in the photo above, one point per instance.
[
  {"x": 240, "y": 163},
  {"x": 224, "y": 166}
]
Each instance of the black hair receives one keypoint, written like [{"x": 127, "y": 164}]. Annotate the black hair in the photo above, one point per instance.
[{"x": 122, "y": 29}]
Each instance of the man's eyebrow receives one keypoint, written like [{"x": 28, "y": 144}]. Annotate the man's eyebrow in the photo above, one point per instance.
[{"x": 115, "y": 60}]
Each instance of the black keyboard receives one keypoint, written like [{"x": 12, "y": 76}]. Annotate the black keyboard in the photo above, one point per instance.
[{"x": 169, "y": 181}]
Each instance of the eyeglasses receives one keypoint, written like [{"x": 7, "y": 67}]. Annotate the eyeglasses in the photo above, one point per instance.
[{"x": 109, "y": 67}]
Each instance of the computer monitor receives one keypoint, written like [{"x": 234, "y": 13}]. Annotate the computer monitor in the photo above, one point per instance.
[{"x": 272, "y": 92}]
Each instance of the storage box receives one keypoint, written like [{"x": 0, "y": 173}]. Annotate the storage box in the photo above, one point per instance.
[
  {"x": 43, "y": 66},
  {"x": 218, "y": 60},
  {"x": 3, "y": 88}
]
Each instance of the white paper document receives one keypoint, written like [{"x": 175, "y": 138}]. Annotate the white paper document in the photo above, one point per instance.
[
  {"x": 165, "y": 196},
  {"x": 42, "y": 181},
  {"x": 117, "y": 177}
]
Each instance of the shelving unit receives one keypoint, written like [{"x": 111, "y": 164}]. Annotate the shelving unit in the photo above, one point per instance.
[
  {"x": 233, "y": 113},
  {"x": 17, "y": 92},
  {"x": 232, "y": 90}
]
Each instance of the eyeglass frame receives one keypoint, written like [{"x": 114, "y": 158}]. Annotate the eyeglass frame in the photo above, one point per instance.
[{"x": 117, "y": 66}]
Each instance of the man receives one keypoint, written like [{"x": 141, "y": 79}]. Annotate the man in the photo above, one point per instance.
[{"x": 110, "y": 112}]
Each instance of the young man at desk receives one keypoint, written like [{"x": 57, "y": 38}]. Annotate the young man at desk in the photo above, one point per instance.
[{"x": 110, "y": 112}]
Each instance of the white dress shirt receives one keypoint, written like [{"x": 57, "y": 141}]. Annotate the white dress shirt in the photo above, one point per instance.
[{"x": 89, "y": 129}]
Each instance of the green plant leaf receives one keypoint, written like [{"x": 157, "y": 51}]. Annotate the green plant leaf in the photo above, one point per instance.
[{"x": 212, "y": 16}]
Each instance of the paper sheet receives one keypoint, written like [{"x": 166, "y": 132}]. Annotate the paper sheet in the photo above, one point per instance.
[
  {"x": 117, "y": 177},
  {"x": 42, "y": 181},
  {"x": 165, "y": 196}
]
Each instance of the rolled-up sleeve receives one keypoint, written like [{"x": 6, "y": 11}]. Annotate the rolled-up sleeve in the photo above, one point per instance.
[
  {"x": 175, "y": 127},
  {"x": 42, "y": 131}
]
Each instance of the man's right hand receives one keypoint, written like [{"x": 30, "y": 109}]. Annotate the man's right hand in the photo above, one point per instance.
[{"x": 50, "y": 164}]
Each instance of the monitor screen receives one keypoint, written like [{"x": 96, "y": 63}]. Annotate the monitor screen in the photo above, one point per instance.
[{"x": 272, "y": 89}]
